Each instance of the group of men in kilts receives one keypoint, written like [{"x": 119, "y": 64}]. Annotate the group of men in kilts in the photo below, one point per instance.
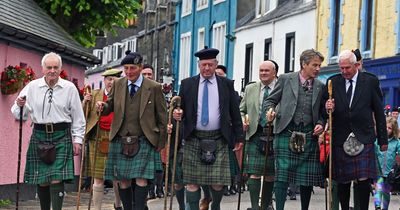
[{"x": 129, "y": 122}]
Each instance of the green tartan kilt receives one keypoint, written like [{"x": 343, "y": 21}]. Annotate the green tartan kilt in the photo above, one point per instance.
[
  {"x": 178, "y": 169},
  {"x": 101, "y": 158},
  {"x": 195, "y": 172},
  {"x": 255, "y": 160},
  {"x": 38, "y": 172},
  {"x": 302, "y": 169},
  {"x": 143, "y": 165},
  {"x": 233, "y": 163}
]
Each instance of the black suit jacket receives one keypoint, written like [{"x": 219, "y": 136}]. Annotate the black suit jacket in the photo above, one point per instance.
[
  {"x": 359, "y": 118},
  {"x": 231, "y": 122}
]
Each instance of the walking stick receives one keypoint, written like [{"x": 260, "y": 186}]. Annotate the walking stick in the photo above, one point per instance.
[
  {"x": 246, "y": 120},
  {"x": 330, "y": 147},
  {"x": 78, "y": 199},
  {"x": 268, "y": 132},
  {"x": 325, "y": 156},
  {"x": 178, "y": 105},
  {"x": 21, "y": 111},
  {"x": 174, "y": 101}
]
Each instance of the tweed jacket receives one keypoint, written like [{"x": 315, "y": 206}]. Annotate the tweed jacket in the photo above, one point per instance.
[{"x": 91, "y": 111}]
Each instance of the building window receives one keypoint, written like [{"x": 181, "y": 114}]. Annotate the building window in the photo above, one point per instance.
[
  {"x": 218, "y": 1},
  {"x": 105, "y": 55},
  {"x": 201, "y": 38},
  {"x": 117, "y": 51},
  {"x": 290, "y": 52},
  {"x": 334, "y": 30},
  {"x": 185, "y": 55},
  {"x": 100, "y": 84},
  {"x": 262, "y": 7},
  {"x": 186, "y": 7},
  {"x": 218, "y": 42},
  {"x": 201, "y": 4},
  {"x": 267, "y": 49},
  {"x": 367, "y": 19},
  {"x": 248, "y": 63}
]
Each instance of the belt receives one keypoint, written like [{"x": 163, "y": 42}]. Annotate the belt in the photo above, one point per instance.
[{"x": 51, "y": 127}]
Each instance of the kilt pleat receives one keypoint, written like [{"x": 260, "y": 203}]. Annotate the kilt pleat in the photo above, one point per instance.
[
  {"x": 233, "y": 163},
  {"x": 255, "y": 160},
  {"x": 347, "y": 168},
  {"x": 38, "y": 172},
  {"x": 101, "y": 158},
  {"x": 178, "y": 169},
  {"x": 143, "y": 165},
  {"x": 302, "y": 169},
  {"x": 195, "y": 172}
]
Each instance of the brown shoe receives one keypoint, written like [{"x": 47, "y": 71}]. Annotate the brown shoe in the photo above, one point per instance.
[{"x": 204, "y": 203}]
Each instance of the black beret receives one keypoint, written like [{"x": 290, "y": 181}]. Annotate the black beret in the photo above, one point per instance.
[
  {"x": 395, "y": 109},
  {"x": 207, "y": 53},
  {"x": 132, "y": 58},
  {"x": 275, "y": 64},
  {"x": 222, "y": 67},
  {"x": 357, "y": 53}
]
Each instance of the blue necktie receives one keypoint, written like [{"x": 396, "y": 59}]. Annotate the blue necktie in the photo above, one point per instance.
[
  {"x": 132, "y": 89},
  {"x": 204, "y": 105}
]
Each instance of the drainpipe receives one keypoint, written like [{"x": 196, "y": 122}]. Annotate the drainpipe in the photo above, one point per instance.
[
  {"x": 193, "y": 66},
  {"x": 227, "y": 41},
  {"x": 373, "y": 50}
]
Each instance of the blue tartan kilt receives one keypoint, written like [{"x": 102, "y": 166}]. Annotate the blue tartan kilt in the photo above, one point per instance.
[{"x": 347, "y": 168}]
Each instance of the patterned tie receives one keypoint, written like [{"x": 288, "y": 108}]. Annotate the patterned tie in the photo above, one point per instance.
[
  {"x": 263, "y": 117},
  {"x": 132, "y": 90},
  {"x": 204, "y": 106},
  {"x": 349, "y": 92}
]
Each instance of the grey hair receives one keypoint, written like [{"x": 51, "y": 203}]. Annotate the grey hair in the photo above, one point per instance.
[
  {"x": 49, "y": 55},
  {"x": 307, "y": 55},
  {"x": 347, "y": 54}
]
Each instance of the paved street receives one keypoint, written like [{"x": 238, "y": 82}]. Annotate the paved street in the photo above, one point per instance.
[{"x": 229, "y": 202}]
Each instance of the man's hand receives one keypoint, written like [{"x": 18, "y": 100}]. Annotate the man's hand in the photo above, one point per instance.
[
  {"x": 87, "y": 97},
  {"x": 100, "y": 106},
  {"x": 318, "y": 129},
  {"x": 330, "y": 105},
  {"x": 246, "y": 122},
  {"x": 21, "y": 101},
  {"x": 270, "y": 115},
  {"x": 169, "y": 128},
  {"x": 77, "y": 149},
  {"x": 177, "y": 114},
  {"x": 384, "y": 147}
]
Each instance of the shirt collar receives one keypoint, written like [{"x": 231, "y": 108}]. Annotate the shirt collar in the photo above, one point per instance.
[
  {"x": 138, "y": 82},
  {"x": 212, "y": 79},
  {"x": 271, "y": 85},
  {"x": 303, "y": 80},
  {"x": 61, "y": 83},
  {"x": 354, "y": 79}
]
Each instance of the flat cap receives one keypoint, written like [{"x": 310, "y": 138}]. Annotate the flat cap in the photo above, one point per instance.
[
  {"x": 132, "y": 58},
  {"x": 207, "y": 53},
  {"x": 112, "y": 72}
]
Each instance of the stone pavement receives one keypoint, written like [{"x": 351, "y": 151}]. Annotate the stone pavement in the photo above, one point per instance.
[{"x": 229, "y": 202}]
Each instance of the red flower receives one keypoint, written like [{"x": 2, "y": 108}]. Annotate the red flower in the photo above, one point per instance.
[
  {"x": 17, "y": 76},
  {"x": 63, "y": 74}
]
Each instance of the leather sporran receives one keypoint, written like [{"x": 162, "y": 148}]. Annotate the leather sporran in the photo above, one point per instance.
[
  {"x": 46, "y": 152},
  {"x": 297, "y": 142},
  {"x": 263, "y": 147},
  {"x": 130, "y": 146},
  {"x": 208, "y": 148},
  {"x": 352, "y": 146},
  {"x": 103, "y": 145}
]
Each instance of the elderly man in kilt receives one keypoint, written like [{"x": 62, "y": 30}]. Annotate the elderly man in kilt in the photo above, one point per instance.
[
  {"x": 297, "y": 100},
  {"x": 211, "y": 120},
  {"x": 58, "y": 129},
  {"x": 138, "y": 131},
  {"x": 253, "y": 107},
  {"x": 358, "y": 117},
  {"x": 100, "y": 128}
]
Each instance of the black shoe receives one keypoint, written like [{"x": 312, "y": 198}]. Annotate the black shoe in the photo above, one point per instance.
[
  {"x": 117, "y": 208},
  {"x": 160, "y": 193},
  {"x": 152, "y": 195},
  {"x": 226, "y": 191},
  {"x": 232, "y": 190},
  {"x": 292, "y": 196}
]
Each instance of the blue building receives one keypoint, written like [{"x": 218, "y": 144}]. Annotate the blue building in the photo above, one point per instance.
[{"x": 203, "y": 23}]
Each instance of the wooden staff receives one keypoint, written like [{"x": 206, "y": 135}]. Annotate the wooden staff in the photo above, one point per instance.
[
  {"x": 178, "y": 105},
  {"x": 166, "y": 180},
  {"x": 325, "y": 187},
  {"x": 330, "y": 146},
  {"x": 268, "y": 133},
  {"x": 88, "y": 90},
  {"x": 246, "y": 120},
  {"x": 21, "y": 111}
]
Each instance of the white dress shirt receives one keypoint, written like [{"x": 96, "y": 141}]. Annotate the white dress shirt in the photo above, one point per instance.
[{"x": 214, "y": 115}]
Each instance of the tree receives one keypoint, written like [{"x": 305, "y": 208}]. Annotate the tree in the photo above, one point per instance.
[{"x": 84, "y": 19}]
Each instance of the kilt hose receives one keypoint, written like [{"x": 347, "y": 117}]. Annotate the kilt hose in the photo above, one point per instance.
[
  {"x": 195, "y": 171},
  {"x": 302, "y": 169},
  {"x": 101, "y": 158},
  {"x": 255, "y": 160},
  {"x": 347, "y": 168},
  {"x": 143, "y": 165},
  {"x": 38, "y": 172}
]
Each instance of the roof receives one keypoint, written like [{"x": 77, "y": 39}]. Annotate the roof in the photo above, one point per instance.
[
  {"x": 285, "y": 9},
  {"x": 24, "y": 22}
]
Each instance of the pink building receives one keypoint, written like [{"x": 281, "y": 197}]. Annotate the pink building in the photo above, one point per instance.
[{"x": 24, "y": 39}]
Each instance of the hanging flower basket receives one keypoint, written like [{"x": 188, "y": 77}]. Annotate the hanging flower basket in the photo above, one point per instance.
[{"x": 14, "y": 78}]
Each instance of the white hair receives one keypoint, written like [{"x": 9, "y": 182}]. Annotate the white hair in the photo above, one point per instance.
[
  {"x": 49, "y": 55},
  {"x": 347, "y": 54}
]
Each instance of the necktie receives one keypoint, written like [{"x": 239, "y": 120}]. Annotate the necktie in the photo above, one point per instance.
[
  {"x": 204, "y": 106},
  {"x": 263, "y": 117},
  {"x": 349, "y": 92},
  {"x": 132, "y": 89}
]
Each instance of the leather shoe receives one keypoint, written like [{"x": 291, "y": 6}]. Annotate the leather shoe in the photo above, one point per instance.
[
  {"x": 159, "y": 193},
  {"x": 152, "y": 195},
  {"x": 204, "y": 203},
  {"x": 232, "y": 190}
]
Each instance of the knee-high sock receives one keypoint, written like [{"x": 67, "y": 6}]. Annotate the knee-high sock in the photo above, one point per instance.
[
  {"x": 180, "y": 197},
  {"x": 140, "y": 197},
  {"x": 206, "y": 191},
  {"x": 126, "y": 198},
  {"x": 117, "y": 199},
  {"x": 98, "y": 192},
  {"x": 280, "y": 194},
  {"x": 305, "y": 195},
  {"x": 335, "y": 198},
  {"x": 254, "y": 188},
  {"x": 344, "y": 195},
  {"x": 269, "y": 186},
  {"x": 44, "y": 197},
  {"x": 192, "y": 199},
  {"x": 216, "y": 198},
  {"x": 159, "y": 180},
  {"x": 57, "y": 195},
  {"x": 363, "y": 190}
]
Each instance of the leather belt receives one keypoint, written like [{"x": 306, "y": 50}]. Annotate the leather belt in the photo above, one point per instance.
[{"x": 51, "y": 127}]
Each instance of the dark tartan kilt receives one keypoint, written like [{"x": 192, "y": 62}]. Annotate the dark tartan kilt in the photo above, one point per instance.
[
  {"x": 302, "y": 169},
  {"x": 38, "y": 172},
  {"x": 195, "y": 172},
  {"x": 255, "y": 160},
  {"x": 101, "y": 158},
  {"x": 233, "y": 163},
  {"x": 178, "y": 169},
  {"x": 347, "y": 168},
  {"x": 143, "y": 165}
]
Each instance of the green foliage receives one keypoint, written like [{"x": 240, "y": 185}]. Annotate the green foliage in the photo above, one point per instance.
[
  {"x": 5, "y": 202},
  {"x": 83, "y": 19}
]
